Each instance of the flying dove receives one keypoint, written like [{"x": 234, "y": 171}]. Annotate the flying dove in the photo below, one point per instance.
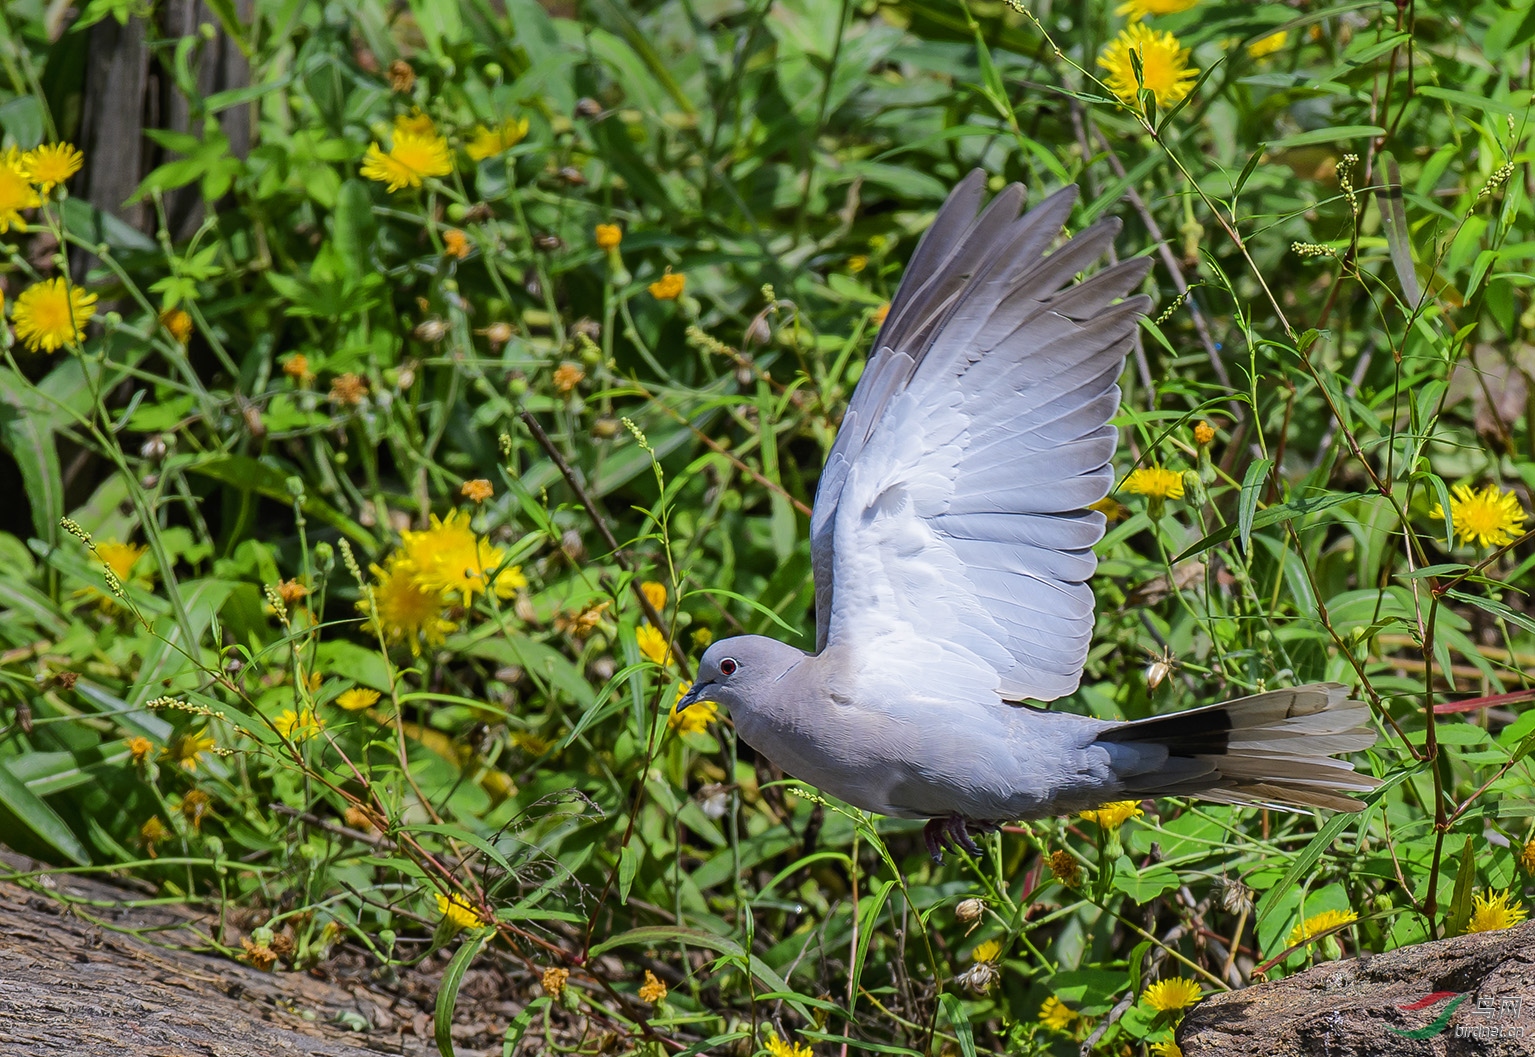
[{"x": 951, "y": 544}]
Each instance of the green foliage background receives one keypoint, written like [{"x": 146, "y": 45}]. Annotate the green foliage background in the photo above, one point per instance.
[{"x": 784, "y": 157}]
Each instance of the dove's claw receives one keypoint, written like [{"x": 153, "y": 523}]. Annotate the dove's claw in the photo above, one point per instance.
[
  {"x": 933, "y": 836},
  {"x": 957, "y": 830}
]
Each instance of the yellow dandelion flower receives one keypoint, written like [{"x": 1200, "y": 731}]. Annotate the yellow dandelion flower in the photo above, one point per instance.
[
  {"x": 1319, "y": 923},
  {"x": 655, "y": 594},
  {"x": 1489, "y": 518},
  {"x": 1165, "y": 69},
  {"x": 652, "y": 644},
  {"x": 652, "y": 990},
  {"x": 187, "y": 748},
  {"x": 51, "y": 314},
  {"x": 777, "y": 1047},
  {"x": 1111, "y": 508},
  {"x": 1112, "y": 816},
  {"x": 1491, "y": 911},
  {"x": 16, "y": 191},
  {"x": 669, "y": 287},
  {"x": 152, "y": 832},
  {"x": 410, "y": 160},
  {"x": 121, "y": 557},
  {"x": 456, "y": 909},
  {"x": 986, "y": 952},
  {"x": 449, "y": 557},
  {"x": 554, "y": 981},
  {"x": 1165, "y": 1048},
  {"x": 1527, "y": 857},
  {"x": 609, "y": 236},
  {"x": 1167, "y": 995},
  {"x": 1057, "y": 1015},
  {"x": 477, "y": 490},
  {"x": 695, "y": 718},
  {"x": 415, "y": 123},
  {"x": 488, "y": 142},
  {"x": 1154, "y": 481},
  {"x": 52, "y": 164},
  {"x": 1139, "y": 9},
  {"x": 357, "y": 698},
  {"x": 530, "y": 743},
  {"x": 404, "y": 610},
  {"x": 298, "y": 726},
  {"x": 1265, "y": 46}
]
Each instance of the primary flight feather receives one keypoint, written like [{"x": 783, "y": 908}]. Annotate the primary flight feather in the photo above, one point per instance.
[{"x": 951, "y": 545}]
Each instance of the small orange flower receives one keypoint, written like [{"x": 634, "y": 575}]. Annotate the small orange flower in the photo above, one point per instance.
[
  {"x": 567, "y": 376},
  {"x": 880, "y": 313},
  {"x": 292, "y": 592},
  {"x": 455, "y": 243},
  {"x": 609, "y": 236},
  {"x": 1204, "y": 433},
  {"x": 297, "y": 368},
  {"x": 652, "y": 990},
  {"x": 669, "y": 287},
  {"x": 477, "y": 490},
  {"x": 178, "y": 323},
  {"x": 140, "y": 748}
]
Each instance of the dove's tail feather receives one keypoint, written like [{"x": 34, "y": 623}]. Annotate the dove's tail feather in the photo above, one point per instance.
[{"x": 1275, "y": 749}]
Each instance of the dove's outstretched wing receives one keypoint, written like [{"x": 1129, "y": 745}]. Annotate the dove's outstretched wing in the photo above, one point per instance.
[{"x": 950, "y": 537}]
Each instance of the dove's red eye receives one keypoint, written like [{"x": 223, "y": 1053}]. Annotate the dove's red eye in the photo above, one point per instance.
[{"x": 728, "y": 666}]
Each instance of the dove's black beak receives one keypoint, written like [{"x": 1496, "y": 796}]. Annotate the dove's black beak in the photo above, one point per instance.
[{"x": 693, "y": 696}]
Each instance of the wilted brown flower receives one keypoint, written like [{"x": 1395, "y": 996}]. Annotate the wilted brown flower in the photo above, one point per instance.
[
  {"x": 348, "y": 388},
  {"x": 402, "y": 76},
  {"x": 292, "y": 592},
  {"x": 1065, "y": 868},
  {"x": 554, "y": 981}
]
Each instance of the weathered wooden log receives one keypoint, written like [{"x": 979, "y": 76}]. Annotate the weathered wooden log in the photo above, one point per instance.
[{"x": 1472, "y": 994}]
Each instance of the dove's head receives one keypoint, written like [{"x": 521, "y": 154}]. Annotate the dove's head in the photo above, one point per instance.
[{"x": 741, "y": 673}]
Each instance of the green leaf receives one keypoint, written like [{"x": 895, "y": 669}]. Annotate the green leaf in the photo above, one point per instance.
[
  {"x": 1459, "y": 915},
  {"x": 21, "y": 809},
  {"x": 1143, "y": 884},
  {"x": 1252, "y": 483},
  {"x": 452, "y": 979},
  {"x": 1331, "y": 134},
  {"x": 628, "y": 866},
  {"x": 959, "y": 1020}
]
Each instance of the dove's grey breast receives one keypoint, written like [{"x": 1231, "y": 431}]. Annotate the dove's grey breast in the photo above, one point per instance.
[{"x": 905, "y": 755}]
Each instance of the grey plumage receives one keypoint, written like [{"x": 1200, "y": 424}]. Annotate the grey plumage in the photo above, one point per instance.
[{"x": 951, "y": 546}]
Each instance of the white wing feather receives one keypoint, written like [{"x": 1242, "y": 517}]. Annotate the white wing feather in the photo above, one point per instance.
[{"x": 950, "y": 538}]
